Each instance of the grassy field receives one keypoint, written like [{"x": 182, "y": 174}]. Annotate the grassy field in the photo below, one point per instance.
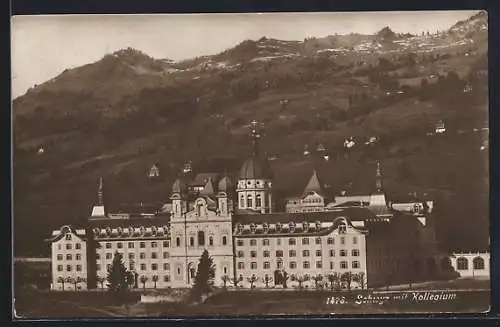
[{"x": 470, "y": 296}]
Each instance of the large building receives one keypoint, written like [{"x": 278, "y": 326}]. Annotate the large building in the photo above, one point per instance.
[{"x": 251, "y": 244}]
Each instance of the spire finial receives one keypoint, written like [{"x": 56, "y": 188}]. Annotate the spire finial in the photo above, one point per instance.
[
  {"x": 100, "y": 200},
  {"x": 379, "y": 177},
  {"x": 255, "y": 133}
]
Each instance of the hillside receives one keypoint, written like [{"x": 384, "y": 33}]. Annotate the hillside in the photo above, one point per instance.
[{"x": 118, "y": 116}]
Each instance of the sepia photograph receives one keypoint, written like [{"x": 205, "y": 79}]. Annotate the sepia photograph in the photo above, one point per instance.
[{"x": 258, "y": 164}]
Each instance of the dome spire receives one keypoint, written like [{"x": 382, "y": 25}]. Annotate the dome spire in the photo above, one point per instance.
[
  {"x": 100, "y": 193},
  {"x": 255, "y": 133},
  {"x": 378, "y": 182}
]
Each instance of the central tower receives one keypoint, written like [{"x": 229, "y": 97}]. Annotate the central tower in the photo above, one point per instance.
[{"x": 255, "y": 178}]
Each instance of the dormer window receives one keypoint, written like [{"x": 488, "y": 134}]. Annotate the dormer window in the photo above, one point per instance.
[
  {"x": 239, "y": 227},
  {"x": 96, "y": 231},
  {"x": 342, "y": 228},
  {"x": 108, "y": 231},
  {"x": 252, "y": 228},
  {"x": 265, "y": 226},
  {"x": 120, "y": 230},
  {"x": 142, "y": 230},
  {"x": 68, "y": 237},
  {"x": 305, "y": 225},
  {"x": 278, "y": 227},
  {"x": 292, "y": 226},
  {"x": 154, "y": 230},
  {"x": 318, "y": 225}
]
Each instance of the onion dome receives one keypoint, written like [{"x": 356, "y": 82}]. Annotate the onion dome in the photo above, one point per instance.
[
  {"x": 225, "y": 185},
  {"x": 255, "y": 168},
  {"x": 178, "y": 186}
]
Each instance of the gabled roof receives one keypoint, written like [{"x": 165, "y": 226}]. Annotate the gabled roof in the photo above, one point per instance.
[
  {"x": 314, "y": 185},
  {"x": 208, "y": 189}
]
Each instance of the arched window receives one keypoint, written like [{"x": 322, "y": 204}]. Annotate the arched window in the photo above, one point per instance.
[
  {"x": 265, "y": 227},
  {"x": 258, "y": 201},
  {"x": 240, "y": 228},
  {"x": 292, "y": 226},
  {"x": 242, "y": 201},
  {"x": 252, "y": 228},
  {"x": 191, "y": 241},
  {"x": 201, "y": 238},
  {"x": 318, "y": 225},
  {"x": 178, "y": 241},
  {"x": 249, "y": 201},
  {"x": 462, "y": 263},
  {"x": 305, "y": 226},
  {"x": 478, "y": 263},
  {"x": 211, "y": 241},
  {"x": 342, "y": 228},
  {"x": 278, "y": 227},
  {"x": 224, "y": 240}
]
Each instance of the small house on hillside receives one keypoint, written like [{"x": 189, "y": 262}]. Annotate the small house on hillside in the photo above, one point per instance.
[
  {"x": 440, "y": 127},
  {"x": 40, "y": 150},
  {"x": 154, "y": 171}
]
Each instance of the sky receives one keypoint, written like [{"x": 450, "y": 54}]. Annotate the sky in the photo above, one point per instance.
[{"x": 44, "y": 46}]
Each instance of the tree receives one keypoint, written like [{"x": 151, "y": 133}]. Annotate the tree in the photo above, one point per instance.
[
  {"x": 117, "y": 274},
  {"x": 155, "y": 280},
  {"x": 62, "y": 280},
  {"x": 204, "y": 276},
  {"x": 101, "y": 280},
  {"x": 77, "y": 281},
  {"x": 300, "y": 279},
  {"x": 252, "y": 279},
  {"x": 347, "y": 279},
  {"x": 130, "y": 279},
  {"x": 360, "y": 279},
  {"x": 266, "y": 279},
  {"x": 317, "y": 280},
  {"x": 236, "y": 281},
  {"x": 143, "y": 280},
  {"x": 284, "y": 278},
  {"x": 225, "y": 279}
]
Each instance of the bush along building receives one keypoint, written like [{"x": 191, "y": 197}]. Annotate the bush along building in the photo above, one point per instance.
[{"x": 349, "y": 241}]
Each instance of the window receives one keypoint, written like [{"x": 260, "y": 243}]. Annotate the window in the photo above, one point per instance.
[
  {"x": 343, "y": 264},
  {"x": 131, "y": 266},
  {"x": 78, "y": 267},
  {"x": 278, "y": 227},
  {"x": 291, "y": 241},
  {"x": 165, "y": 244},
  {"x": 355, "y": 264},
  {"x": 305, "y": 241},
  {"x": 355, "y": 253},
  {"x": 279, "y": 264},
  {"x": 154, "y": 244},
  {"x": 266, "y": 254},
  {"x": 108, "y": 245},
  {"x": 319, "y": 264},
  {"x": 332, "y": 265},
  {"x": 478, "y": 263},
  {"x": 191, "y": 241},
  {"x": 292, "y": 253},
  {"x": 201, "y": 238},
  {"x": 178, "y": 241},
  {"x": 265, "y": 242},
  {"x": 142, "y": 255},
  {"x": 78, "y": 257},
  {"x": 278, "y": 241},
  {"x": 166, "y": 255},
  {"x": 78, "y": 246},
  {"x": 130, "y": 245},
  {"x": 240, "y": 242},
  {"x": 241, "y": 265},
  {"x": 318, "y": 253},
  {"x": 242, "y": 201},
  {"x": 58, "y": 246},
  {"x": 253, "y": 254},
  {"x": 109, "y": 255},
  {"x": 318, "y": 240},
  {"x": 342, "y": 240},
  {"x": 143, "y": 266},
  {"x": 293, "y": 264},
  {"x": 224, "y": 240},
  {"x": 279, "y": 253},
  {"x": 354, "y": 240},
  {"x": 142, "y": 245},
  {"x": 166, "y": 266},
  {"x": 330, "y": 240},
  {"x": 68, "y": 237},
  {"x": 68, "y": 246},
  {"x": 249, "y": 201},
  {"x": 265, "y": 227},
  {"x": 154, "y": 255},
  {"x": 119, "y": 245},
  {"x": 343, "y": 253},
  {"x": 267, "y": 265},
  {"x": 108, "y": 266},
  {"x": 240, "y": 254},
  {"x": 462, "y": 264},
  {"x": 97, "y": 256},
  {"x": 68, "y": 268},
  {"x": 59, "y": 257},
  {"x": 253, "y": 265},
  {"x": 306, "y": 265},
  {"x": 131, "y": 256},
  {"x": 154, "y": 266},
  {"x": 253, "y": 242},
  {"x": 305, "y": 253},
  {"x": 332, "y": 253},
  {"x": 342, "y": 228},
  {"x": 59, "y": 267},
  {"x": 292, "y": 226},
  {"x": 166, "y": 278},
  {"x": 258, "y": 201}
]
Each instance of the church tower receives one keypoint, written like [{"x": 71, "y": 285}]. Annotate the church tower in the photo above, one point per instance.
[
  {"x": 99, "y": 210},
  {"x": 178, "y": 197},
  {"x": 223, "y": 196},
  {"x": 378, "y": 203},
  {"x": 254, "y": 189}
]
